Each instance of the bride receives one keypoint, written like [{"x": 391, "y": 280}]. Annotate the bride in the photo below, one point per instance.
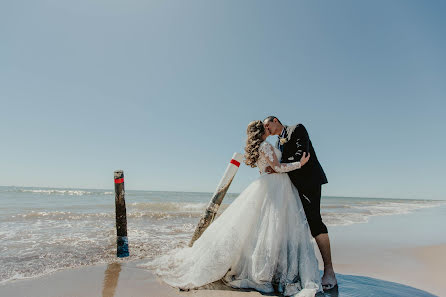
[{"x": 261, "y": 241}]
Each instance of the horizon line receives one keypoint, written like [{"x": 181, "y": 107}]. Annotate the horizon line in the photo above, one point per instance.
[{"x": 205, "y": 192}]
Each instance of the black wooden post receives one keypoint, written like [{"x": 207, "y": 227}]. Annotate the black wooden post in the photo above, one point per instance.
[{"x": 121, "y": 216}]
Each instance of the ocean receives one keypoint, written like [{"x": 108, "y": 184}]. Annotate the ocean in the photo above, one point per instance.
[{"x": 43, "y": 230}]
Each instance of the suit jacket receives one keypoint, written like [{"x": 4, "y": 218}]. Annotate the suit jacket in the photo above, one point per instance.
[{"x": 298, "y": 142}]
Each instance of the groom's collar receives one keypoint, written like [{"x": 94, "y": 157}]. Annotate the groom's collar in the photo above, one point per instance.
[{"x": 282, "y": 134}]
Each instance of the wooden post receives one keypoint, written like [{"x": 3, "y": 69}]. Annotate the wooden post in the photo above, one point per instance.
[
  {"x": 211, "y": 210},
  {"x": 121, "y": 216}
]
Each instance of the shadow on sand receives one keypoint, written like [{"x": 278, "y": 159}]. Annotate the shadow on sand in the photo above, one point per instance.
[{"x": 350, "y": 286}]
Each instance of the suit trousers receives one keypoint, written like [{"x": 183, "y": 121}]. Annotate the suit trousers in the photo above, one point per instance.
[{"x": 311, "y": 202}]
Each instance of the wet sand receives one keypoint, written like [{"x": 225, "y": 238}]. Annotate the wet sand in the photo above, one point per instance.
[
  {"x": 419, "y": 267},
  {"x": 406, "y": 249},
  {"x": 110, "y": 280},
  {"x": 127, "y": 279},
  {"x": 386, "y": 248}
]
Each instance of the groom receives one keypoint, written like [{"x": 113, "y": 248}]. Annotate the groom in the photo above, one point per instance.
[{"x": 293, "y": 142}]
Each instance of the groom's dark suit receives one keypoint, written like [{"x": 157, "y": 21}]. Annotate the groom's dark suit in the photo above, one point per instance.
[{"x": 308, "y": 179}]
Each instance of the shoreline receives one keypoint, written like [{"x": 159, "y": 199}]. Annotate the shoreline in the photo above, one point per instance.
[{"x": 404, "y": 249}]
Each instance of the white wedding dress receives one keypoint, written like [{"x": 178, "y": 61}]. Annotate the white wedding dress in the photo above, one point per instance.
[{"x": 261, "y": 239}]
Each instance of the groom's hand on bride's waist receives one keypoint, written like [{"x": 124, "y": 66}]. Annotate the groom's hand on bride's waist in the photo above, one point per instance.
[{"x": 269, "y": 170}]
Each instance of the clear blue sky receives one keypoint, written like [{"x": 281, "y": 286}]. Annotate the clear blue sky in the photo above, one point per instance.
[{"x": 165, "y": 89}]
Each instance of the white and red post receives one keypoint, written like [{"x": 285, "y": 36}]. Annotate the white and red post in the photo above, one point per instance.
[{"x": 217, "y": 198}]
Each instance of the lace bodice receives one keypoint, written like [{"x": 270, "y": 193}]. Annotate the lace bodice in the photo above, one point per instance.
[{"x": 270, "y": 156}]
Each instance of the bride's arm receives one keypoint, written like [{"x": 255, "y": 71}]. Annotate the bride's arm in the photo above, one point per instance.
[{"x": 268, "y": 153}]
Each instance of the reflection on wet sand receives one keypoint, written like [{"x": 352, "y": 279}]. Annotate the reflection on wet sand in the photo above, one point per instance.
[{"x": 111, "y": 279}]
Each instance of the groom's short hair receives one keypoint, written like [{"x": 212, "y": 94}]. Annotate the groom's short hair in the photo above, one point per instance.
[{"x": 270, "y": 119}]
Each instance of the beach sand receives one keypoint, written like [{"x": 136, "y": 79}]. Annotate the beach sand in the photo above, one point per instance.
[
  {"x": 115, "y": 279},
  {"x": 422, "y": 269},
  {"x": 405, "y": 249},
  {"x": 378, "y": 249}
]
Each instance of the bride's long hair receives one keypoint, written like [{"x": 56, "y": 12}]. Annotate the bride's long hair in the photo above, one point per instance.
[{"x": 255, "y": 132}]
